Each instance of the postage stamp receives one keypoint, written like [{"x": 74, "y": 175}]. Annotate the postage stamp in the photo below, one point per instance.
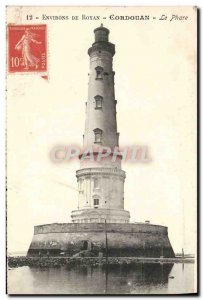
[{"x": 27, "y": 48}]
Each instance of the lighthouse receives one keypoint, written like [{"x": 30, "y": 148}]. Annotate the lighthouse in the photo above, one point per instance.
[
  {"x": 101, "y": 181},
  {"x": 100, "y": 211}
]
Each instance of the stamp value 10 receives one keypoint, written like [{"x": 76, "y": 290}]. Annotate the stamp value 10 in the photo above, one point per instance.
[{"x": 27, "y": 48}]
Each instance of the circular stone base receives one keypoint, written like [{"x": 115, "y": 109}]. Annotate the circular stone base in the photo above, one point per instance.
[{"x": 130, "y": 240}]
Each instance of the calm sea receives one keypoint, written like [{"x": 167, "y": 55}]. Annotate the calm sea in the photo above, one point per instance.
[{"x": 140, "y": 278}]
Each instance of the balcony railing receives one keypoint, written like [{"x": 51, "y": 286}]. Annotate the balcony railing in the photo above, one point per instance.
[{"x": 106, "y": 171}]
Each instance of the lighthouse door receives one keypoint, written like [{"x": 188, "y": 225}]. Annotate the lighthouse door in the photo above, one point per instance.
[{"x": 85, "y": 245}]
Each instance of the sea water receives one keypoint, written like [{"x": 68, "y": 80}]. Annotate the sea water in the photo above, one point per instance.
[{"x": 138, "y": 278}]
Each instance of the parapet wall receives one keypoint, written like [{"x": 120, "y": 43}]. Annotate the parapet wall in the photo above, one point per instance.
[{"x": 100, "y": 227}]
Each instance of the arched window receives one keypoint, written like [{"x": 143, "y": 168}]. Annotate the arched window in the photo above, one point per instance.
[
  {"x": 96, "y": 202},
  {"x": 97, "y": 136},
  {"x": 99, "y": 72},
  {"x": 98, "y": 101}
]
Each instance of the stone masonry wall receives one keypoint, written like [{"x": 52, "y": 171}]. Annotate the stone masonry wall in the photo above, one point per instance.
[
  {"x": 99, "y": 227},
  {"x": 133, "y": 240}
]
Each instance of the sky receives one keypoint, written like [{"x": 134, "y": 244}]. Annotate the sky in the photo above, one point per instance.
[{"x": 155, "y": 86}]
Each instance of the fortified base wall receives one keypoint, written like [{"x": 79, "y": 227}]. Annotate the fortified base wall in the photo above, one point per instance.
[{"x": 130, "y": 240}]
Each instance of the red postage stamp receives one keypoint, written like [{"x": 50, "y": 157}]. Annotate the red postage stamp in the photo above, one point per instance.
[{"x": 27, "y": 48}]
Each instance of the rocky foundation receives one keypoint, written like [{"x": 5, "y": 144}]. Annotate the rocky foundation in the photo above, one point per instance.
[{"x": 51, "y": 262}]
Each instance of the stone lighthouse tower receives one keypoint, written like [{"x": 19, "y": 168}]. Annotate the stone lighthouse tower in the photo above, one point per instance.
[{"x": 101, "y": 180}]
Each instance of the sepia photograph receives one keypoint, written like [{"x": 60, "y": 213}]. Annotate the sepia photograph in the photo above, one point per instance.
[{"x": 101, "y": 146}]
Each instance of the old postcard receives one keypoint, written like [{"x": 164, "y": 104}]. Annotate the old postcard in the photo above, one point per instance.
[{"x": 101, "y": 150}]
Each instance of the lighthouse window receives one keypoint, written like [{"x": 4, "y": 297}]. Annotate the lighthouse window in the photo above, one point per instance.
[
  {"x": 101, "y": 36},
  {"x": 99, "y": 72},
  {"x": 98, "y": 101},
  {"x": 96, "y": 201},
  {"x": 97, "y": 136}
]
